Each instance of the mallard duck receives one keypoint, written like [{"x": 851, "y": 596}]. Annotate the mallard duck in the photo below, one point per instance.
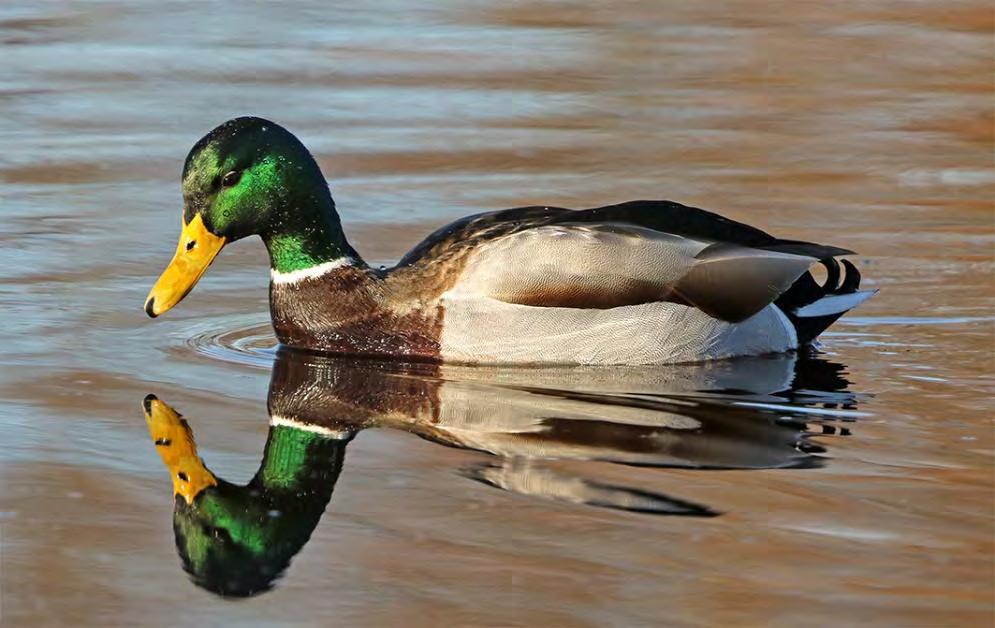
[{"x": 642, "y": 282}]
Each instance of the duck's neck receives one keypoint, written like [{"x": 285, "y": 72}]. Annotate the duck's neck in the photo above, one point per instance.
[{"x": 308, "y": 236}]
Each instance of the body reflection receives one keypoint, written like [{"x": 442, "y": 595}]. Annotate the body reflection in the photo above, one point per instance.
[{"x": 744, "y": 414}]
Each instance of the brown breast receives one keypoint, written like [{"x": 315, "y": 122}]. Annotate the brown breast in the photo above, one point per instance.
[{"x": 351, "y": 310}]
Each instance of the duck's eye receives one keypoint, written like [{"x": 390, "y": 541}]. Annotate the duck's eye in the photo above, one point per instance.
[{"x": 230, "y": 179}]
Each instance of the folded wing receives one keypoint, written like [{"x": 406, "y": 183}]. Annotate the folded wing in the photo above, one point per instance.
[{"x": 591, "y": 265}]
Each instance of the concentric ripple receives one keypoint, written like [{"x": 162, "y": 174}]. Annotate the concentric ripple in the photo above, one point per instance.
[{"x": 246, "y": 340}]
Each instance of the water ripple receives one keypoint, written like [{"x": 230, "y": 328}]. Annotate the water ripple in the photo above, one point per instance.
[{"x": 247, "y": 340}]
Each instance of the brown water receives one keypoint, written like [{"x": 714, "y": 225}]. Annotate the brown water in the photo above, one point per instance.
[{"x": 856, "y": 488}]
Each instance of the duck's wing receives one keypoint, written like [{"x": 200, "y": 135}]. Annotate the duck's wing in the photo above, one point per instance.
[
  {"x": 603, "y": 266},
  {"x": 627, "y": 254}
]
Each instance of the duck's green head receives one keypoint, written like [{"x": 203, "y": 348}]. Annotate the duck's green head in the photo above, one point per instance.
[{"x": 249, "y": 176}]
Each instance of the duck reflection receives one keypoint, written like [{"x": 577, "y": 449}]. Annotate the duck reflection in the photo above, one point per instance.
[
  {"x": 743, "y": 414},
  {"x": 236, "y": 540}
]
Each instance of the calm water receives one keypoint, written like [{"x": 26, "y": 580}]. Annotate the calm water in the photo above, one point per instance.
[{"x": 853, "y": 488}]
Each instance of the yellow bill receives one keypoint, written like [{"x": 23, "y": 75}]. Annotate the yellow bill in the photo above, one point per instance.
[
  {"x": 196, "y": 250},
  {"x": 174, "y": 441}
]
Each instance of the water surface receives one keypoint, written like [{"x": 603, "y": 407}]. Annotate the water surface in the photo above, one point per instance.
[{"x": 856, "y": 486}]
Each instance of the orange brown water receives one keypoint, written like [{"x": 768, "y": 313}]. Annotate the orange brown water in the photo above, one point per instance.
[{"x": 867, "y": 126}]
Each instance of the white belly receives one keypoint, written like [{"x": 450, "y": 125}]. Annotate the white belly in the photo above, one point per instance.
[{"x": 488, "y": 331}]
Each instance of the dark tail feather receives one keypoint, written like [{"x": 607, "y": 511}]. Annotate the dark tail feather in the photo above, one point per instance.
[{"x": 812, "y": 308}]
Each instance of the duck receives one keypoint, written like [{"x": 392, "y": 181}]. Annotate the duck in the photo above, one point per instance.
[{"x": 637, "y": 283}]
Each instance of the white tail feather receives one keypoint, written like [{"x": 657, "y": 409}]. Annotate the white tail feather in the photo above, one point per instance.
[{"x": 834, "y": 304}]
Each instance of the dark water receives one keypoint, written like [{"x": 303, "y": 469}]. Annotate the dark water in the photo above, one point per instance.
[{"x": 853, "y": 487}]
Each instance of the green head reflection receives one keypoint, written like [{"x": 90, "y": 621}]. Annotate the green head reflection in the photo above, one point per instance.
[{"x": 237, "y": 540}]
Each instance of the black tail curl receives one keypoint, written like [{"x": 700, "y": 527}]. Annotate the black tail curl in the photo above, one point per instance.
[{"x": 806, "y": 290}]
